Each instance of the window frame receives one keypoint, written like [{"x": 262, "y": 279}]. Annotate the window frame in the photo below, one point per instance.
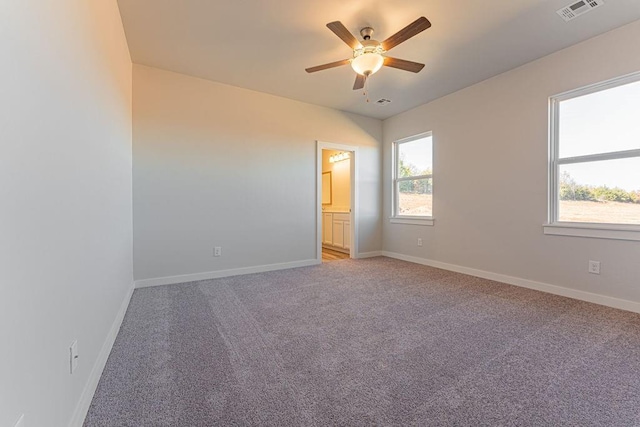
[
  {"x": 582, "y": 229},
  {"x": 396, "y": 217}
]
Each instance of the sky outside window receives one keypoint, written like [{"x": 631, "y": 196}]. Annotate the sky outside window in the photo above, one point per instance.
[
  {"x": 417, "y": 153},
  {"x": 602, "y": 122}
]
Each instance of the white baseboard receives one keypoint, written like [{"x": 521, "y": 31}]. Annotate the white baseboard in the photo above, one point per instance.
[
  {"x": 171, "y": 280},
  {"x": 525, "y": 283},
  {"x": 90, "y": 387},
  {"x": 369, "y": 254}
]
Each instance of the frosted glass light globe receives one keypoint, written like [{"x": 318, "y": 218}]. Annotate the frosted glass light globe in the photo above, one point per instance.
[{"x": 367, "y": 63}]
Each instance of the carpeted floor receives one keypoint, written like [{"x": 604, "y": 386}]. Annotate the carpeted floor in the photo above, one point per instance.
[{"x": 368, "y": 342}]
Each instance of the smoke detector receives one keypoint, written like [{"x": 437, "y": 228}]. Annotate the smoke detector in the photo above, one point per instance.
[{"x": 578, "y": 8}]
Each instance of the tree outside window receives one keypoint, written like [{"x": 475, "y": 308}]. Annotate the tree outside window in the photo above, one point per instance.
[{"x": 413, "y": 177}]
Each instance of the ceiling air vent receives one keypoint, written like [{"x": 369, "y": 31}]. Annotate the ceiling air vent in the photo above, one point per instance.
[
  {"x": 578, "y": 8},
  {"x": 383, "y": 101}
]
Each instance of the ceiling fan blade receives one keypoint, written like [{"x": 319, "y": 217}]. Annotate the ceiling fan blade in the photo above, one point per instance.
[
  {"x": 327, "y": 66},
  {"x": 359, "y": 84},
  {"x": 402, "y": 64},
  {"x": 417, "y": 26},
  {"x": 342, "y": 32}
]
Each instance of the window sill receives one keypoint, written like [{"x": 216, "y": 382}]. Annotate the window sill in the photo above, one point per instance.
[
  {"x": 416, "y": 220},
  {"x": 596, "y": 231}
]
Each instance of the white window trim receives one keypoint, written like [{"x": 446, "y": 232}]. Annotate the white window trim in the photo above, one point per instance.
[
  {"x": 580, "y": 229},
  {"x": 598, "y": 231},
  {"x": 412, "y": 220},
  {"x": 395, "y": 217}
]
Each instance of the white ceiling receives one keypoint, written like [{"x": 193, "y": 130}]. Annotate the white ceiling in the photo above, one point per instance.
[{"x": 265, "y": 45}]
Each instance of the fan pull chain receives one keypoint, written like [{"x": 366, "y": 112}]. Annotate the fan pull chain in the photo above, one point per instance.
[{"x": 366, "y": 87}]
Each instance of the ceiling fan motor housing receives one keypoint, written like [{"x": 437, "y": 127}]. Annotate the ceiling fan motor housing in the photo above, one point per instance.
[{"x": 368, "y": 46}]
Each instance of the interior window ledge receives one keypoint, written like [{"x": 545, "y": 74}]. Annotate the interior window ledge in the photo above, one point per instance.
[
  {"x": 411, "y": 221},
  {"x": 597, "y": 231}
]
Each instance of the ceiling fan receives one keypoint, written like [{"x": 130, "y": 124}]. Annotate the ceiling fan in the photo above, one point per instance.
[{"x": 369, "y": 55}]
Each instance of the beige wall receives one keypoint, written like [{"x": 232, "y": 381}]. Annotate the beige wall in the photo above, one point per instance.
[
  {"x": 65, "y": 220},
  {"x": 490, "y": 174},
  {"x": 216, "y": 165},
  {"x": 340, "y": 181}
]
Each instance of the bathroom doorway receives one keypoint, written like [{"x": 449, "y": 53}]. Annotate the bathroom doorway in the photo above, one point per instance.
[{"x": 336, "y": 190}]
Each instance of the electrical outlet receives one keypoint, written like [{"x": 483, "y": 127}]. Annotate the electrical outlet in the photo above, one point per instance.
[
  {"x": 217, "y": 251},
  {"x": 594, "y": 267},
  {"x": 20, "y": 422},
  {"x": 419, "y": 241},
  {"x": 73, "y": 357}
]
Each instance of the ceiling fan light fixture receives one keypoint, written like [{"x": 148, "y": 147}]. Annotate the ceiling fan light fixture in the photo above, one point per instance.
[
  {"x": 367, "y": 63},
  {"x": 368, "y": 54}
]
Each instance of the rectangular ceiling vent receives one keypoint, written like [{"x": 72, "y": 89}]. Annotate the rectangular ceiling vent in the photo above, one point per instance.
[
  {"x": 383, "y": 101},
  {"x": 578, "y": 8}
]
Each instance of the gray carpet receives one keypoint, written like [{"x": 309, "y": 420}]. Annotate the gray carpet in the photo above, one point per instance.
[{"x": 368, "y": 342}]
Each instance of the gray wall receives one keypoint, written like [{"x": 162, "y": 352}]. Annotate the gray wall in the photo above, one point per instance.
[
  {"x": 490, "y": 182},
  {"x": 65, "y": 216},
  {"x": 216, "y": 165}
]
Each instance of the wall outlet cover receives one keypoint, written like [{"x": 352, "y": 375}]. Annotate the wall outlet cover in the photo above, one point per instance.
[{"x": 594, "y": 267}]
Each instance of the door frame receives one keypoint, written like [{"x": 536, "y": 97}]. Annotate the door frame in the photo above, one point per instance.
[{"x": 353, "y": 217}]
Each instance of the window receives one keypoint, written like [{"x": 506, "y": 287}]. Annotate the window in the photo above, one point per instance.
[
  {"x": 413, "y": 180},
  {"x": 595, "y": 161}
]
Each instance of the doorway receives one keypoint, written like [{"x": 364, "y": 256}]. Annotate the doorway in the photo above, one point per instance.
[{"x": 337, "y": 236}]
